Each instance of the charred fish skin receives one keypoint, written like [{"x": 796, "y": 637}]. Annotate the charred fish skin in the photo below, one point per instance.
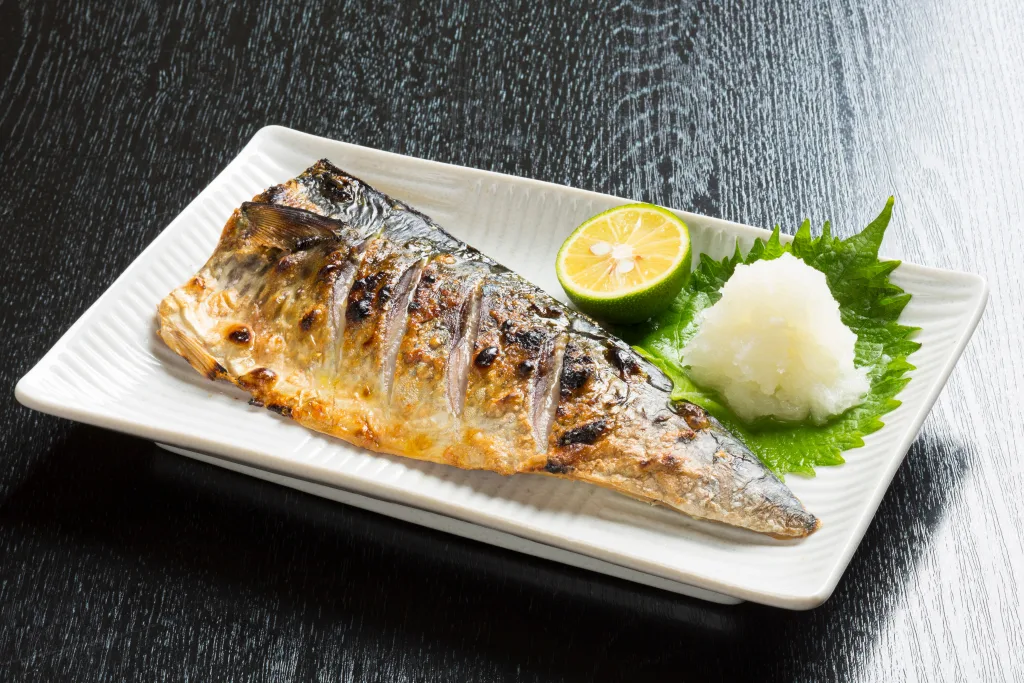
[{"x": 357, "y": 316}]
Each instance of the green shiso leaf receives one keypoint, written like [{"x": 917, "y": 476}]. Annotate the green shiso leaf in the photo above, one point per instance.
[{"x": 869, "y": 305}]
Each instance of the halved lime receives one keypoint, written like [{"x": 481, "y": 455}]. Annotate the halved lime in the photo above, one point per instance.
[{"x": 626, "y": 264}]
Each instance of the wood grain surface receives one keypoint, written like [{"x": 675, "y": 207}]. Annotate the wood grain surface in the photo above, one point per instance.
[{"x": 119, "y": 562}]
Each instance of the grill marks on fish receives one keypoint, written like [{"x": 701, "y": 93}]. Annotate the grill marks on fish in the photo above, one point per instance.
[
  {"x": 529, "y": 359},
  {"x": 426, "y": 391},
  {"x": 498, "y": 403},
  {"x": 586, "y": 434},
  {"x": 371, "y": 323},
  {"x": 373, "y": 315},
  {"x": 577, "y": 369},
  {"x": 545, "y": 393},
  {"x": 340, "y": 277},
  {"x": 591, "y": 394},
  {"x": 461, "y": 355},
  {"x": 395, "y": 325}
]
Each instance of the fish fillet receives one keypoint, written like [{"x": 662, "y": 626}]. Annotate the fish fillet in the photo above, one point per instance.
[{"x": 351, "y": 313}]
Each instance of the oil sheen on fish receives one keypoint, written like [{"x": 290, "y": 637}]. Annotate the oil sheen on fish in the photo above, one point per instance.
[{"x": 355, "y": 315}]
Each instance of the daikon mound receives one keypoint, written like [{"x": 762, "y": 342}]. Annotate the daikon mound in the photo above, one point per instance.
[{"x": 775, "y": 346}]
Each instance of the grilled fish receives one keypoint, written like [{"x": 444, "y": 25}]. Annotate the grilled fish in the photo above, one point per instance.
[{"x": 357, "y": 316}]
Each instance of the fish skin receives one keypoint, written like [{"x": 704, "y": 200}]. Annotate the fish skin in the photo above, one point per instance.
[{"x": 341, "y": 308}]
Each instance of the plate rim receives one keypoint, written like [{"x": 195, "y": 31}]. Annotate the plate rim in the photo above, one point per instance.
[{"x": 30, "y": 394}]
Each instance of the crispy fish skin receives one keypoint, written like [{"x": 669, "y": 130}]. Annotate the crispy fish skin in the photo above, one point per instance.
[{"x": 357, "y": 316}]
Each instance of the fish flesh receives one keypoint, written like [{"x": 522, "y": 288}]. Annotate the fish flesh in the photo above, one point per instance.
[{"x": 355, "y": 315}]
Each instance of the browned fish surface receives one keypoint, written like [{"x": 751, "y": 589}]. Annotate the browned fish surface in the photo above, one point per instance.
[{"x": 355, "y": 315}]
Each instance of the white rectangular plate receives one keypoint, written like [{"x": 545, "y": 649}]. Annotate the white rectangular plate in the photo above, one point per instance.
[{"x": 111, "y": 370}]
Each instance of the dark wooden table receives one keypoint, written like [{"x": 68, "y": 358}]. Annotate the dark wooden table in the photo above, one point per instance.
[{"x": 119, "y": 562}]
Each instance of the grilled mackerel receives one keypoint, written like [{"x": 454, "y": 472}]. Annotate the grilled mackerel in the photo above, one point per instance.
[{"x": 354, "y": 315}]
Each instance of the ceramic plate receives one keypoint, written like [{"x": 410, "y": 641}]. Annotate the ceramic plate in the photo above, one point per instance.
[{"x": 111, "y": 370}]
